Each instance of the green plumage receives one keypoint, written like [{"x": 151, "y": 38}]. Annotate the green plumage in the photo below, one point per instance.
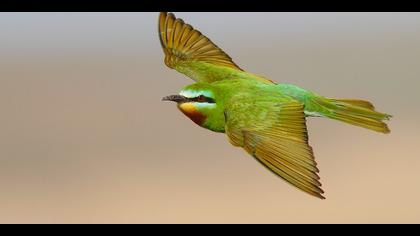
[{"x": 267, "y": 119}]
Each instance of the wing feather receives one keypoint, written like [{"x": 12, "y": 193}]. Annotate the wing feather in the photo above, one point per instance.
[
  {"x": 278, "y": 140},
  {"x": 187, "y": 50}
]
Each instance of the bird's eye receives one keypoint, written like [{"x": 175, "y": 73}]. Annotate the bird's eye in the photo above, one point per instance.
[{"x": 201, "y": 98}]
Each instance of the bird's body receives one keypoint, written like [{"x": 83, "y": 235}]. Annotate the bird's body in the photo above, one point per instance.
[
  {"x": 267, "y": 119},
  {"x": 236, "y": 93}
]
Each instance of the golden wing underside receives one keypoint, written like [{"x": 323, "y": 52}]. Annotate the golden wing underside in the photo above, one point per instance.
[
  {"x": 186, "y": 49},
  {"x": 279, "y": 141}
]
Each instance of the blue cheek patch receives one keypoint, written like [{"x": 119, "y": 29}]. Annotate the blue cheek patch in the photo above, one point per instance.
[{"x": 200, "y": 105}]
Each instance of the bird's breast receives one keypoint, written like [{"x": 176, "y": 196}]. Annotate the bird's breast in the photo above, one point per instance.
[{"x": 191, "y": 112}]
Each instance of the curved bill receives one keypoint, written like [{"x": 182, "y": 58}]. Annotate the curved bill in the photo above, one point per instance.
[{"x": 175, "y": 98}]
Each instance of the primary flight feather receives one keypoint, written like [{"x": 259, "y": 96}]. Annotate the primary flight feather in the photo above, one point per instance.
[{"x": 266, "y": 119}]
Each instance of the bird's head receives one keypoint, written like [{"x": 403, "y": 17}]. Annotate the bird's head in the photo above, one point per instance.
[{"x": 201, "y": 103}]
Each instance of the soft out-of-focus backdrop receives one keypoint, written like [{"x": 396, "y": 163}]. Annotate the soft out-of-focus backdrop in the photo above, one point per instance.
[{"x": 84, "y": 137}]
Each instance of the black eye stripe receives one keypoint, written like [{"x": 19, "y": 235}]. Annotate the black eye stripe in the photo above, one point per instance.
[{"x": 203, "y": 99}]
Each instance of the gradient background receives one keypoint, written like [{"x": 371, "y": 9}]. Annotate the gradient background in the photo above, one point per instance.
[{"x": 84, "y": 137}]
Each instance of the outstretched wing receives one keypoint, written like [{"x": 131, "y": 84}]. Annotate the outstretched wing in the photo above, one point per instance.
[
  {"x": 276, "y": 135},
  {"x": 190, "y": 52}
]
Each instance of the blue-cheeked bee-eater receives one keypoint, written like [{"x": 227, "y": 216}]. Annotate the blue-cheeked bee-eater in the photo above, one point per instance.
[{"x": 265, "y": 118}]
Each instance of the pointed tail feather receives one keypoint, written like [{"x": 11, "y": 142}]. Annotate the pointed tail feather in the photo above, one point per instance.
[
  {"x": 355, "y": 102},
  {"x": 356, "y": 112}
]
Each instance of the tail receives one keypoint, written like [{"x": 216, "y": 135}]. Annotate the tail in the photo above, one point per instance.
[{"x": 356, "y": 112}]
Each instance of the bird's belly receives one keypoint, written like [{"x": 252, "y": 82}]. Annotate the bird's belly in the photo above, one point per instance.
[{"x": 312, "y": 114}]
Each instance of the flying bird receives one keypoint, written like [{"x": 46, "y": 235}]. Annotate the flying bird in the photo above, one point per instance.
[{"x": 265, "y": 118}]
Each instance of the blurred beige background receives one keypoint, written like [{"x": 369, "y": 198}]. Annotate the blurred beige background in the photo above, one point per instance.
[{"x": 85, "y": 138}]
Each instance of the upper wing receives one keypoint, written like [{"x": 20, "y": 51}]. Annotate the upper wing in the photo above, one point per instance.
[
  {"x": 191, "y": 53},
  {"x": 276, "y": 135}
]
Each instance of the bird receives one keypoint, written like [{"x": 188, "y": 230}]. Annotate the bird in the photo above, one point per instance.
[{"x": 265, "y": 118}]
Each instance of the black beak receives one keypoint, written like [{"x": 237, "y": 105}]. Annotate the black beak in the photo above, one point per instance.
[{"x": 175, "y": 98}]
